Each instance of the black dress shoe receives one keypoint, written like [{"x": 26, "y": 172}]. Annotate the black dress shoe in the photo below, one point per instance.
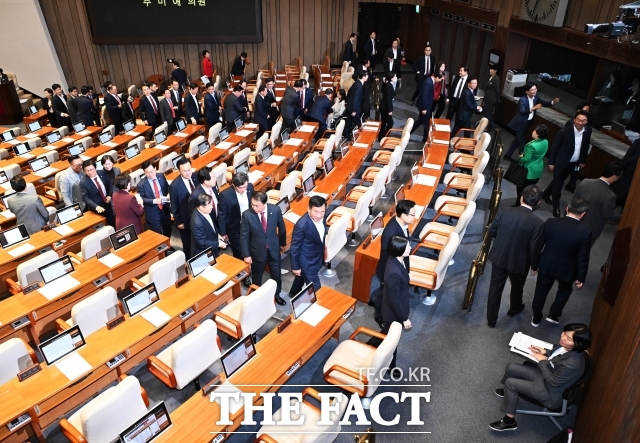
[
  {"x": 570, "y": 187},
  {"x": 547, "y": 200},
  {"x": 507, "y": 158},
  {"x": 491, "y": 324},
  {"x": 556, "y": 212},
  {"x": 371, "y": 303},
  {"x": 246, "y": 282},
  {"x": 502, "y": 425},
  {"x": 280, "y": 301},
  {"x": 499, "y": 392},
  {"x": 514, "y": 312}
]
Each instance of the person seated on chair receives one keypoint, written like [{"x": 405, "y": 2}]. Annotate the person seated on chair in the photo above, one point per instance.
[{"x": 545, "y": 381}]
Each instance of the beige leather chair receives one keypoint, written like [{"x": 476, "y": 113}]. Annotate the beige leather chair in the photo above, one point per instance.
[
  {"x": 163, "y": 273},
  {"x": 239, "y": 158},
  {"x": 27, "y": 271},
  {"x": 467, "y": 143},
  {"x": 334, "y": 242},
  {"x": 92, "y": 313},
  {"x": 357, "y": 216},
  {"x": 287, "y": 188},
  {"x": 464, "y": 161},
  {"x": 394, "y": 135},
  {"x": 15, "y": 356},
  {"x": 214, "y": 132},
  {"x": 193, "y": 152},
  {"x": 166, "y": 162},
  {"x": 428, "y": 273},
  {"x": 96, "y": 242}
]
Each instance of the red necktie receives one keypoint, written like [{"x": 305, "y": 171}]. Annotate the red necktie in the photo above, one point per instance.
[
  {"x": 153, "y": 105},
  {"x": 157, "y": 192},
  {"x": 264, "y": 222},
  {"x": 191, "y": 185},
  {"x": 173, "y": 112},
  {"x": 99, "y": 189}
]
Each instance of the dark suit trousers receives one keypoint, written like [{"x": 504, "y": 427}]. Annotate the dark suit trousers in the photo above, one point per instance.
[
  {"x": 521, "y": 379},
  {"x": 258, "y": 267},
  {"x": 418, "y": 88},
  {"x": 185, "y": 236},
  {"x": 555, "y": 187},
  {"x": 303, "y": 279},
  {"x": 348, "y": 125},
  {"x": 387, "y": 123},
  {"x": 453, "y": 108},
  {"x": 498, "y": 279},
  {"x": 518, "y": 142},
  {"x": 543, "y": 286},
  {"x": 440, "y": 105},
  {"x": 235, "y": 243},
  {"x": 423, "y": 120},
  {"x": 162, "y": 226}
]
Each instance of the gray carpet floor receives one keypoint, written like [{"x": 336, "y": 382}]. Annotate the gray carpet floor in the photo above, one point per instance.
[{"x": 465, "y": 358}]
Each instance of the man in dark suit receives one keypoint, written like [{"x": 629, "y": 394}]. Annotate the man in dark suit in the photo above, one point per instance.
[
  {"x": 423, "y": 67},
  {"x": 149, "y": 108},
  {"x": 466, "y": 107},
  {"x": 455, "y": 91},
  {"x": 386, "y": 104},
  {"x": 207, "y": 186},
  {"x": 261, "y": 111},
  {"x": 366, "y": 90},
  {"x": 371, "y": 49},
  {"x": 263, "y": 239},
  {"x": 516, "y": 248},
  {"x": 233, "y": 202},
  {"x": 28, "y": 209},
  {"x": 212, "y": 106},
  {"x": 398, "y": 225},
  {"x": 233, "y": 107},
  {"x": 306, "y": 99},
  {"x": 271, "y": 101},
  {"x": 113, "y": 105},
  {"x": 395, "y": 65},
  {"x": 94, "y": 99},
  {"x": 167, "y": 113},
  {"x": 528, "y": 104},
  {"x": 97, "y": 191},
  {"x": 72, "y": 105},
  {"x": 290, "y": 105},
  {"x": 568, "y": 152},
  {"x": 179, "y": 192},
  {"x": 176, "y": 97},
  {"x": 85, "y": 107},
  {"x": 59, "y": 104},
  {"x": 391, "y": 65},
  {"x": 239, "y": 65},
  {"x": 629, "y": 163},
  {"x": 321, "y": 108},
  {"x": 565, "y": 258},
  {"x": 349, "y": 53},
  {"x": 354, "y": 104},
  {"x": 602, "y": 201},
  {"x": 204, "y": 233},
  {"x": 191, "y": 106},
  {"x": 179, "y": 74},
  {"x": 153, "y": 190},
  {"x": 424, "y": 103},
  {"x": 491, "y": 96},
  {"x": 307, "y": 246}
]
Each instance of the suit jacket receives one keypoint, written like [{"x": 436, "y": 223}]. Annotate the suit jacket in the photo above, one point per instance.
[
  {"x": 253, "y": 238},
  {"x": 564, "y": 145},
  {"x": 146, "y": 111},
  {"x": 392, "y": 228},
  {"x": 388, "y": 93},
  {"x": 72, "y": 106},
  {"x": 179, "y": 195},
  {"x": 395, "y": 68},
  {"x": 454, "y": 85},
  {"x": 521, "y": 120},
  {"x": 90, "y": 195},
  {"x": 354, "y": 99},
  {"x": 395, "y": 295},
  {"x": 191, "y": 108},
  {"x": 369, "y": 47},
  {"x": 115, "y": 113},
  {"x": 229, "y": 216},
  {"x": 307, "y": 248},
  {"x": 203, "y": 235},
  {"x": 565, "y": 372},
  {"x": 59, "y": 108},
  {"x": 193, "y": 203},
  {"x": 467, "y": 106},
  {"x": 85, "y": 110},
  {"x": 127, "y": 112},
  {"x": 566, "y": 250},
  {"x": 308, "y": 99},
  {"x": 30, "y": 211},
  {"x": 177, "y": 101},
  {"x": 518, "y": 240},
  {"x": 425, "y": 99},
  {"x": 290, "y": 104},
  {"x": 419, "y": 66},
  {"x": 238, "y": 67},
  {"x": 320, "y": 109},
  {"x": 261, "y": 112},
  {"x": 211, "y": 109},
  {"x": 492, "y": 91},
  {"x": 180, "y": 75},
  {"x": 145, "y": 189},
  {"x": 602, "y": 203},
  {"x": 233, "y": 109},
  {"x": 270, "y": 99},
  {"x": 128, "y": 211},
  {"x": 348, "y": 55},
  {"x": 165, "y": 112}
]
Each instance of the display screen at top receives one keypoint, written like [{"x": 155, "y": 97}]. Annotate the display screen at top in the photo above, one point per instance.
[{"x": 175, "y": 21}]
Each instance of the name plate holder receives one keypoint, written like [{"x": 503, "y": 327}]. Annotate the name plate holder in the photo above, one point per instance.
[
  {"x": 284, "y": 324},
  {"x": 30, "y": 288},
  {"x": 115, "y": 322},
  {"x": 294, "y": 368},
  {"x": 241, "y": 275},
  {"x": 366, "y": 242},
  {"x": 21, "y": 322},
  {"x": 347, "y": 314},
  {"x": 18, "y": 422},
  {"x": 161, "y": 248},
  {"x": 211, "y": 386},
  {"x": 186, "y": 314},
  {"x": 181, "y": 281},
  {"x": 101, "y": 281},
  {"x": 31, "y": 370},
  {"x": 103, "y": 253},
  {"x": 115, "y": 361}
]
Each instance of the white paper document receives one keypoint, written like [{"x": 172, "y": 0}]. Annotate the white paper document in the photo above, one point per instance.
[
  {"x": 84, "y": 157},
  {"x": 68, "y": 140},
  {"x": 85, "y": 132},
  {"x": 213, "y": 275},
  {"x": 426, "y": 180},
  {"x": 520, "y": 344},
  {"x": 443, "y": 128},
  {"x": 7, "y": 214},
  {"x": 319, "y": 194},
  {"x": 27, "y": 156},
  {"x": 306, "y": 128},
  {"x": 275, "y": 159},
  {"x": 254, "y": 176},
  {"x": 20, "y": 250},
  {"x": 111, "y": 144},
  {"x": 251, "y": 125},
  {"x": 431, "y": 166},
  {"x": 32, "y": 135},
  {"x": 50, "y": 148},
  {"x": 73, "y": 366},
  {"x": 360, "y": 145},
  {"x": 314, "y": 314},
  {"x": 161, "y": 147},
  {"x": 280, "y": 89},
  {"x": 13, "y": 142},
  {"x": 181, "y": 134},
  {"x": 441, "y": 142},
  {"x": 46, "y": 171},
  {"x": 156, "y": 316},
  {"x": 133, "y": 133},
  {"x": 370, "y": 128},
  {"x": 224, "y": 145},
  {"x": 292, "y": 217},
  {"x": 294, "y": 142},
  {"x": 244, "y": 133},
  {"x": 229, "y": 388},
  {"x": 110, "y": 260},
  {"x": 58, "y": 287},
  {"x": 7, "y": 186},
  {"x": 64, "y": 230}
]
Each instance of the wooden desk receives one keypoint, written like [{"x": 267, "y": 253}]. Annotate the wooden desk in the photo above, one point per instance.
[
  {"x": 6, "y": 223},
  {"x": 366, "y": 259},
  {"x": 41, "y": 133},
  {"x": 40, "y": 116},
  {"x": 195, "y": 420}
]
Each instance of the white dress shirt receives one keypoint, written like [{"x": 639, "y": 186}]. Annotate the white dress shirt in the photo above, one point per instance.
[
  {"x": 243, "y": 202},
  {"x": 208, "y": 218},
  {"x": 461, "y": 82},
  {"x": 576, "y": 150},
  {"x": 187, "y": 183},
  {"x": 530, "y": 106},
  {"x": 320, "y": 227}
]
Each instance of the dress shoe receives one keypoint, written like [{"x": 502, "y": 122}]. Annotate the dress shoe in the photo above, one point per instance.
[
  {"x": 499, "y": 392},
  {"x": 507, "y": 158},
  {"x": 491, "y": 324},
  {"x": 556, "y": 212},
  {"x": 412, "y": 102},
  {"x": 514, "y": 312},
  {"x": 547, "y": 200},
  {"x": 371, "y": 303},
  {"x": 280, "y": 301},
  {"x": 552, "y": 319},
  {"x": 570, "y": 187},
  {"x": 504, "y": 425},
  {"x": 535, "y": 321},
  {"x": 246, "y": 282}
]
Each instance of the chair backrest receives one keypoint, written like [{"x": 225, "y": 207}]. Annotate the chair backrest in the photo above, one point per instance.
[
  {"x": 16, "y": 130},
  {"x": 96, "y": 242},
  {"x": 345, "y": 66},
  {"x": 378, "y": 184},
  {"x": 394, "y": 160},
  {"x": 241, "y": 156},
  {"x": 28, "y": 270},
  {"x": 214, "y": 131},
  {"x": 382, "y": 356},
  {"x": 219, "y": 173},
  {"x": 164, "y": 273},
  {"x": 481, "y": 163},
  {"x": 465, "y": 219},
  {"x": 11, "y": 170},
  {"x": 482, "y": 144},
  {"x": 262, "y": 142},
  {"x": 445, "y": 256},
  {"x": 136, "y": 177},
  {"x": 193, "y": 146},
  {"x": 138, "y": 141},
  {"x": 14, "y": 358},
  {"x": 275, "y": 132},
  {"x": 339, "y": 130},
  {"x": 309, "y": 165},
  {"x": 94, "y": 312},
  {"x": 104, "y": 116},
  {"x": 479, "y": 130},
  {"x": 162, "y": 128},
  {"x": 336, "y": 238},
  {"x": 361, "y": 212},
  {"x": 194, "y": 353},
  {"x": 476, "y": 187},
  {"x": 112, "y": 130},
  {"x": 132, "y": 91},
  {"x": 114, "y": 410},
  {"x": 86, "y": 142},
  {"x": 166, "y": 163},
  {"x": 51, "y": 156},
  {"x": 30, "y": 189},
  {"x": 288, "y": 186},
  {"x": 34, "y": 142},
  {"x": 63, "y": 130},
  {"x": 408, "y": 126},
  {"x": 4, "y": 153},
  {"x": 258, "y": 307},
  {"x": 56, "y": 180},
  {"x": 328, "y": 147}
]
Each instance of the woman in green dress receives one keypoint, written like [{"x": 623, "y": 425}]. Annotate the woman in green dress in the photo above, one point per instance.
[{"x": 532, "y": 158}]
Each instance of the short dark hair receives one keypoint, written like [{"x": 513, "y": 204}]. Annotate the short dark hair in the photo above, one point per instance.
[
  {"x": 107, "y": 158},
  {"x": 404, "y": 206},
  {"x": 466, "y": 69},
  {"x": 581, "y": 112},
  {"x": 262, "y": 88},
  {"x": 578, "y": 206},
  {"x": 55, "y": 86},
  {"x": 353, "y": 34},
  {"x": 397, "y": 245},
  {"x": 529, "y": 86},
  {"x": 429, "y": 46},
  {"x": 192, "y": 85},
  {"x": 146, "y": 164},
  {"x": 471, "y": 78},
  {"x": 260, "y": 196},
  {"x": 84, "y": 90},
  {"x": 239, "y": 179},
  {"x": 72, "y": 88},
  {"x": 317, "y": 202},
  {"x": 237, "y": 88},
  {"x": 542, "y": 131},
  {"x": 531, "y": 195},
  {"x": 203, "y": 200},
  {"x": 204, "y": 52},
  {"x": 438, "y": 74},
  {"x": 362, "y": 73},
  {"x": 71, "y": 158},
  {"x": 204, "y": 174},
  {"x": 18, "y": 183},
  {"x": 209, "y": 84},
  {"x": 175, "y": 63},
  {"x": 328, "y": 91},
  {"x": 269, "y": 79},
  {"x": 173, "y": 79},
  {"x": 87, "y": 163},
  {"x": 390, "y": 76},
  {"x": 124, "y": 97},
  {"x": 581, "y": 336},
  {"x": 49, "y": 90},
  {"x": 298, "y": 84},
  {"x": 612, "y": 168},
  {"x": 582, "y": 105},
  {"x": 243, "y": 54},
  {"x": 121, "y": 181},
  {"x": 182, "y": 161}
]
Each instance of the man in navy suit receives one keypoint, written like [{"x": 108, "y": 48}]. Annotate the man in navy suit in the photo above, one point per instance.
[
  {"x": 349, "y": 49},
  {"x": 528, "y": 104},
  {"x": 307, "y": 246},
  {"x": 239, "y": 65},
  {"x": 85, "y": 107},
  {"x": 261, "y": 111},
  {"x": 263, "y": 239},
  {"x": 424, "y": 103},
  {"x": 149, "y": 108},
  {"x": 212, "y": 106},
  {"x": 178, "y": 73},
  {"x": 96, "y": 192},
  {"x": 207, "y": 186},
  {"x": 152, "y": 189},
  {"x": 306, "y": 99},
  {"x": 176, "y": 97},
  {"x": 191, "y": 106},
  {"x": 233, "y": 202},
  {"x": 59, "y": 102},
  {"x": 467, "y": 106},
  {"x": 371, "y": 49},
  {"x": 424, "y": 67},
  {"x": 203, "y": 231},
  {"x": 233, "y": 107},
  {"x": 319, "y": 111},
  {"x": 179, "y": 192},
  {"x": 354, "y": 104}
]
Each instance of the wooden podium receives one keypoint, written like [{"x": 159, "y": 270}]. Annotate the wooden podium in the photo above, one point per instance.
[{"x": 10, "y": 108}]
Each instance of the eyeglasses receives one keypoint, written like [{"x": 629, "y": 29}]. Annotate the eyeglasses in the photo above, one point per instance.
[{"x": 410, "y": 214}]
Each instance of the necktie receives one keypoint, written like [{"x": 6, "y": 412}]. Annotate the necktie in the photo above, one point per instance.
[
  {"x": 426, "y": 66},
  {"x": 173, "y": 112},
  {"x": 214, "y": 98},
  {"x": 191, "y": 185},
  {"x": 264, "y": 222},
  {"x": 213, "y": 203},
  {"x": 459, "y": 88},
  {"x": 301, "y": 101},
  {"x": 117, "y": 98},
  {"x": 153, "y": 104},
  {"x": 156, "y": 191},
  {"x": 175, "y": 94},
  {"x": 100, "y": 191}
]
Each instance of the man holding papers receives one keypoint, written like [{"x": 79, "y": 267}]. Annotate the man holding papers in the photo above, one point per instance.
[{"x": 546, "y": 381}]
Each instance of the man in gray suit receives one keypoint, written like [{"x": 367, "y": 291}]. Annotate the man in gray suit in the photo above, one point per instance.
[
  {"x": 69, "y": 177},
  {"x": 263, "y": 236},
  {"x": 28, "y": 209},
  {"x": 602, "y": 200}
]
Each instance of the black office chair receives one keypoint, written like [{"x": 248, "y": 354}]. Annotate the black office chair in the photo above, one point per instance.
[{"x": 569, "y": 396}]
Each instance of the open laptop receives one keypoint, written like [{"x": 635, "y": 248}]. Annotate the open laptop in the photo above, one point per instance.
[
  {"x": 175, "y": 161},
  {"x": 69, "y": 214},
  {"x": 105, "y": 137},
  {"x": 243, "y": 167},
  {"x": 618, "y": 127},
  {"x": 148, "y": 427},
  {"x": 33, "y": 110},
  {"x": 38, "y": 164},
  {"x": 61, "y": 345},
  {"x": 308, "y": 184},
  {"x": 129, "y": 125},
  {"x": 377, "y": 226},
  {"x": 344, "y": 148},
  {"x": 13, "y": 235},
  {"x": 141, "y": 299},
  {"x": 22, "y": 148},
  {"x": 223, "y": 134},
  {"x": 200, "y": 262},
  {"x": 8, "y": 135},
  {"x": 284, "y": 136},
  {"x": 181, "y": 124},
  {"x": 56, "y": 269},
  {"x": 35, "y": 126},
  {"x": 53, "y": 137},
  {"x": 239, "y": 122},
  {"x": 284, "y": 204},
  {"x": 76, "y": 149},
  {"x": 328, "y": 165},
  {"x": 159, "y": 137},
  {"x": 79, "y": 127},
  {"x": 131, "y": 151},
  {"x": 123, "y": 237},
  {"x": 3, "y": 177},
  {"x": 238, "y": 356},
  {"x": 298, "y": 122},
  {"x": 203, "y": 148}
]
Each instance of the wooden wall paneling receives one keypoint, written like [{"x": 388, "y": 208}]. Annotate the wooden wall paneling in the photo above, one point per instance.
[
  {"x": 318, "y": 28},
  {"x": 124, "y": 66},
  {"x": 60, "y": 42},
  {"x": 82, "y": 53},
  {"x": 93, "y": 64},
  {"x": 259, "y": 57}
]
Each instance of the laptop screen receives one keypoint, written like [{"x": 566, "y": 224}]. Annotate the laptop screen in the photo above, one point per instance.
[
  {"x": 328, "y": 165},
  {"x": 224, "y": 134},
  {"x": 35, "y": 126},
  {"x": 129, "y": 125},
  {"x": 239, "y": 122},
  {"x": 39, "y": 163},
  {"x": 33, "y": 110},
  {"x": 201, "y": 262},
  {"x": 22, "y": 148},
  {"x": 266, "y": 152},
  {"x": 284, "y": 205},
  {"x": 53, "y": 137},
  {"x": 76, "y": 149},
  {"x": 14, "y": 235},
  {"x": 160, "y": 137},
  {"x": 284, "y": 136},
  {"x": 376, "y": 227},
  {"x": 243, "y": 167},
  {"x": 203, "y": 148},
  {"x": 79, "y": 126},
  {"x": 344, "y": 148},
  {"x": 3, "y": 177},
  {"x": 6, "y": 197},
  {"x": 355, "y": 134},
  {"x": 298, "y": 123},
  {"x": 61, "y": 345},
  {"x": 69, "y": 213},
  {"x": 303, "y": 300},
  {"x": 56, "y": 269},
  {"x": 131, "y": 151},
  {"x": 105, "y": 137},
  {"x": 140, "y": 300},
  {"x": 308, "y": 184},
  {"x": 7, "y": 135},
  {"x": 148, "y": 427},
  {"x": 181, "y": 124},
  {"x": 175, "y": 161},
  {"x": 239, "y": 355},
  {"x": 399, "y": 194},
  {"x": 123, "y": 237}
]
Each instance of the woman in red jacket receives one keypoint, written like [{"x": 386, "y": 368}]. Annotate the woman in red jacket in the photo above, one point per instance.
[
  {"x": 127, "y": 208},
  {"x": 207, "y": 66}
]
